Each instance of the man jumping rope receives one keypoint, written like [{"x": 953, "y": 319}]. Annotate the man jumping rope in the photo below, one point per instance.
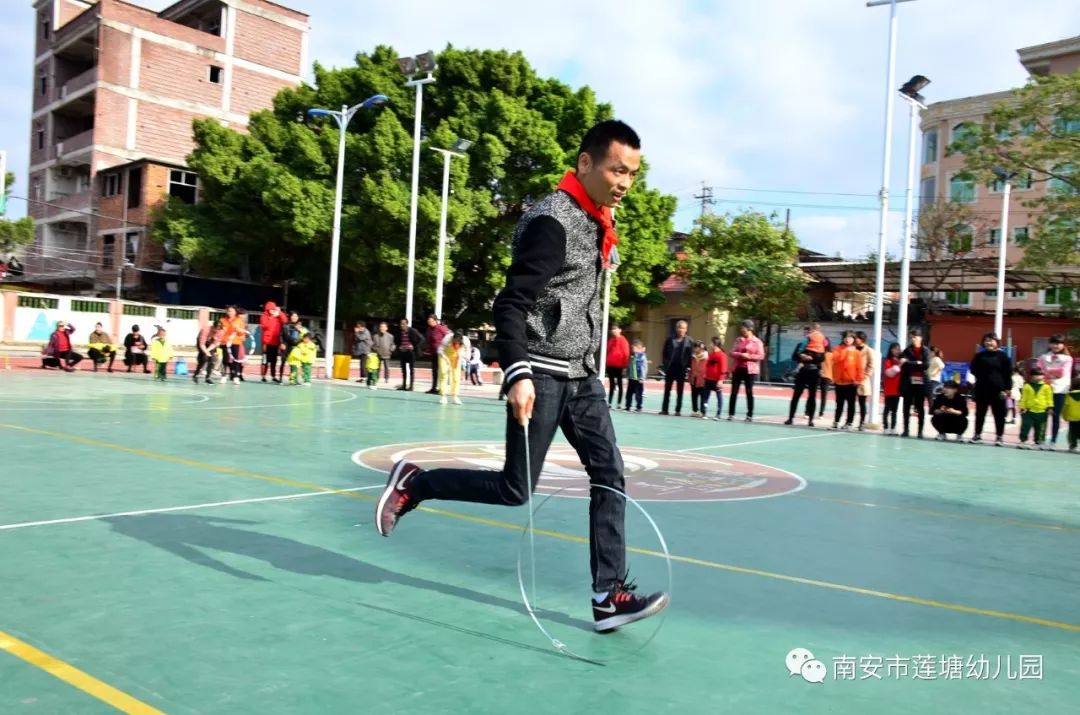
[{"x": 548, "y": 329}]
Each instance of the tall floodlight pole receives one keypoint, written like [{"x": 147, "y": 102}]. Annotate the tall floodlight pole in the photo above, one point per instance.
[
  {"x": 458, "y": 149},
  {"x": 342, "y": 118},
  {"x": 879, "y": 291},
  {"x": 409, "y": 66},
  {"x": 1005, "y": 177},
  {"x": 910, "y": 92}
]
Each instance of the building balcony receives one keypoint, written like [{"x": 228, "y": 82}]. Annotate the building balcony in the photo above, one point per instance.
[
  {"x": 61, "y": 202},
  {"x": 79, "y": 81},
  {"x": 80, "y": 30},
  {"x": 72, "y": 144},
  {"x": 44, "y": 269}
]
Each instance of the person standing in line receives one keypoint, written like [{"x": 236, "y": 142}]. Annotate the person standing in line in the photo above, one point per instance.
[
  {"x": 949, "y": 412},
  {"x": 933, "y": 372},
  {"x": 808, "y": 355},
  {"x": 618, "y": 357},
  {"x": 1057, "y": 367},
  {"x": 547, "y": 322},
  {"x": 1071, "y": 413},
  {"x": 992, "y": 370},
  {"x": 451, "y": 356},
  {"x": 436, "y": 332},
  {"x": 301, "y": 359},
  {"x": 1014, "y": 393},
  {"x": 409, "y": 342},
  {"x": 161, "y": 353},
  {"x": 715, "y": 371},
  {"x": 636, "y": 372},
  {"x": 848, "y": 363},
  {"x": 698, "y": 361},
  {"x": 870, "y": 363},
  {"x": 890, "y": 383},
  {"x": 361, "y": 347},
  {"x": 825, "y": 379},
  {"x": 235, "y": 333},
  {"x": 913, "y": 363},
  {"x": 747, "y": 354},
  {"x": 676, "y": 364},
  {"x": 1036, "y": 403},
  {"x": 270, "y": 324},
  {"x": 382, "y": 343},
  {"x": 208, "y": 345}
]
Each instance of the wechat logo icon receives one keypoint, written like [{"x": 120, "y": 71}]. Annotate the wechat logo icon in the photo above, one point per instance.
[{"x": 800, "y": 661}]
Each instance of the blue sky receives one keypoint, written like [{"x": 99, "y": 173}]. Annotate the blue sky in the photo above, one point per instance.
[{"x": 776, "y": 96}]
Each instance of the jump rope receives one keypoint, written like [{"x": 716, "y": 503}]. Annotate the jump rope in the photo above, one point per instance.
[{"x": 528, "y": 539}]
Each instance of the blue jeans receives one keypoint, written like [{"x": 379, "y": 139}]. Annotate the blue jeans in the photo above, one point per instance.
[{"x": 579, "y": 408}]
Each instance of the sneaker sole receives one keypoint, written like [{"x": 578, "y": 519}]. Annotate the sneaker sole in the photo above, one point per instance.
[
  {"x": 610, "y": 624},
  {"x": 391, "y": 485}
]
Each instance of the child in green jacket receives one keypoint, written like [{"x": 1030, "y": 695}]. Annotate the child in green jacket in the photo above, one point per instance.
[
  {"x": 1036, "y": 400},
  {"x": 1070, "y": 412}
]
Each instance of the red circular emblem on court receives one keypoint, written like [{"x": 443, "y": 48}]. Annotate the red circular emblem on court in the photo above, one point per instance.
[{"x": 651, "y": 474}]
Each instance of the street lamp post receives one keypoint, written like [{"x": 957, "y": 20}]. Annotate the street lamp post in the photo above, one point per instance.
[
  {"x": 1005, "y": 177},
  {"x": 342, "y": 118},
  {"x": 458, "y": 149},
  {"x": 879, "y": 294},
  {"x": 409, "y": 66},
  {"x": 910, "y": 92}
]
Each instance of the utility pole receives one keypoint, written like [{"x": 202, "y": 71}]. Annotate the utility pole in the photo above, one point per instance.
[{"x": 706, "y": 198}]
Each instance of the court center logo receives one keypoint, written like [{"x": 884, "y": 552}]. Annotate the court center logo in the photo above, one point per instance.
[{"x": 651, "y": 474}]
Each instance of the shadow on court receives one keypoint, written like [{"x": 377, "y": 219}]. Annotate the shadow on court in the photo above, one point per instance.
[{"x": 189, "y": 537}]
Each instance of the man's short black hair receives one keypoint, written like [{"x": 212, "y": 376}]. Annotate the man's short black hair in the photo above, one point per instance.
[{"x": 596, "y": 141}]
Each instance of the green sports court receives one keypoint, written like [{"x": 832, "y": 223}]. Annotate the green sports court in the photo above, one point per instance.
[{"x": 186, "y": 549}]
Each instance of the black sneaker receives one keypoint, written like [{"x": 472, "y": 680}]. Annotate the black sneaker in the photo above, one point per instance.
[
  {"x": 622, "y": 606},
  {"x": 396, "y": 500}
]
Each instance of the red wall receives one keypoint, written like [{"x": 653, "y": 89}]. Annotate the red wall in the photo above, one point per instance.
[{"x": 958, "y": 335}]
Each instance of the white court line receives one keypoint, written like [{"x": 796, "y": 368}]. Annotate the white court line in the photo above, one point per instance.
[
  {"x": 762, "y": 441},
  {"x": 94, "y": 517}
]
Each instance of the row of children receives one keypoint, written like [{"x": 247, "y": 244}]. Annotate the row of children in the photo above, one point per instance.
[{"x": 223, "y": 347}]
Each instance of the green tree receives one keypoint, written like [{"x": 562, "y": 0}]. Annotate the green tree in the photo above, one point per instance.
[
  {"x": 745, "y": 263},
  {"x": 266, "y": 207},
  {"x": 19, "y": 232},
  {"x": 1036, "y": 133}
]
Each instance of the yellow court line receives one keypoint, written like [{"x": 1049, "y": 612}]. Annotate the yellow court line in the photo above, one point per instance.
[
  {"x": 75, "y": 677},
  {"x": 958, "y": 607},
  {"x": 943, "y": 514}
]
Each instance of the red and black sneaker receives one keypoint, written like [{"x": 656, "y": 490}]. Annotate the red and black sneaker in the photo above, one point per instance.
[
  {"x": 622, "y": 606},
  {"x": 396, "y": 501}
]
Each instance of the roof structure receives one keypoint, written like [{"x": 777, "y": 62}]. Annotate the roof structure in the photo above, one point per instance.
[{"x": 977, "y": 274}]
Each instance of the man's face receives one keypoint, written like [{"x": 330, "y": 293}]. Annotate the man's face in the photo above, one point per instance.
[
  {"x": 404, "y": 325},
  {"x": 680, "y": 329},
  {"x": 990, "y": 344},
  {"x": 608, "y": 180},
  {"x": 382, "y": 327}
]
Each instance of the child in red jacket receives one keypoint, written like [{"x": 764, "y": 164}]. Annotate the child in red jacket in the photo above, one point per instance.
[
  {"x": 891, "y": 385},
  {"x": 715, "y": 371},
  {"x": 698, "y": 364},
  {"x": 618, "y": 357}
]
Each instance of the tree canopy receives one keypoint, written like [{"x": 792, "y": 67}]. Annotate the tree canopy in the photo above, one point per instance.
[
  {"x": 1036, "y": 135},
  {"x": 266, "y": 207},
  {"x": 19, "y": 232},
  {"x": 747, "y": 263}
]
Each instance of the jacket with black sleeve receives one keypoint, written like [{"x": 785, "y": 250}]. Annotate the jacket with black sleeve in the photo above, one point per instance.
[
  {"x": 547, "y": 318},
  {"x": 993, "y": 372}
]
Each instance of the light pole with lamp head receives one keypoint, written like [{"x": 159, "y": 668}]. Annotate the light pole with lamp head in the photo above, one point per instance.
[
  {"x": 458, "y": 149},
  {"x": 910, "y": 92},
  {"x": 879, "y": 294},
  {"x": 410, "y": 66},
  {"x": 342, "y": 118},
  {"x": 1005, "y": 177}
]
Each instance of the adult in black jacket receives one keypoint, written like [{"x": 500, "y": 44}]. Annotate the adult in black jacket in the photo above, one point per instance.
[
  {"x": 806, "y": 378},
  {"x": 949, "y": 412},
  {"x": 135, "y": 349},
  {"x": 913, "y": 363},
  {"x": 676, "y": 364},
  {"x": 992, "y": 370},
  {"x": 547, "y": 329}
]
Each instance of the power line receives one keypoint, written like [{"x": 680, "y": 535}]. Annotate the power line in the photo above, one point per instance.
[{"x": 706, "y": 198}]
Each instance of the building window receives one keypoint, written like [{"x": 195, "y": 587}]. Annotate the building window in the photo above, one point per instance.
[
  {"x": 1019, "y": 183},
  {"x": 962, "y": 189},
  {"x": 963, "y": 131},
  {"x": 1020, "y": 236},
  {"x": 215, "y": 74},
  {"x": 1056, "y": 296},
  {"x": 928, "y": 191},
  {"x": 43, "y": 84},
  {"x": 930, "y": 148},
  {"x": 108, "y": 251},
  {"x": 111, "y": 184},
  {"x": 183, "y": 185},
  {"x": 134, "y": 190},
  {"x": 1019, "y": 294},
  {"x": 995, "y": 237},
  {"x": 962, "y": 239},
  {"x": 958, "y": 297},
  {"x": 131, "y": 247},
  {"x": 46, "y": 28},
  {"x": 1070, "y": 125},
  {"x": 40, "y": 138},
  {"x": 1065, "y": 186}
]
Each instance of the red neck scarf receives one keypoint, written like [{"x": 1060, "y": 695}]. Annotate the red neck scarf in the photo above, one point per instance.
[{"x": 571, "y": 185}]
